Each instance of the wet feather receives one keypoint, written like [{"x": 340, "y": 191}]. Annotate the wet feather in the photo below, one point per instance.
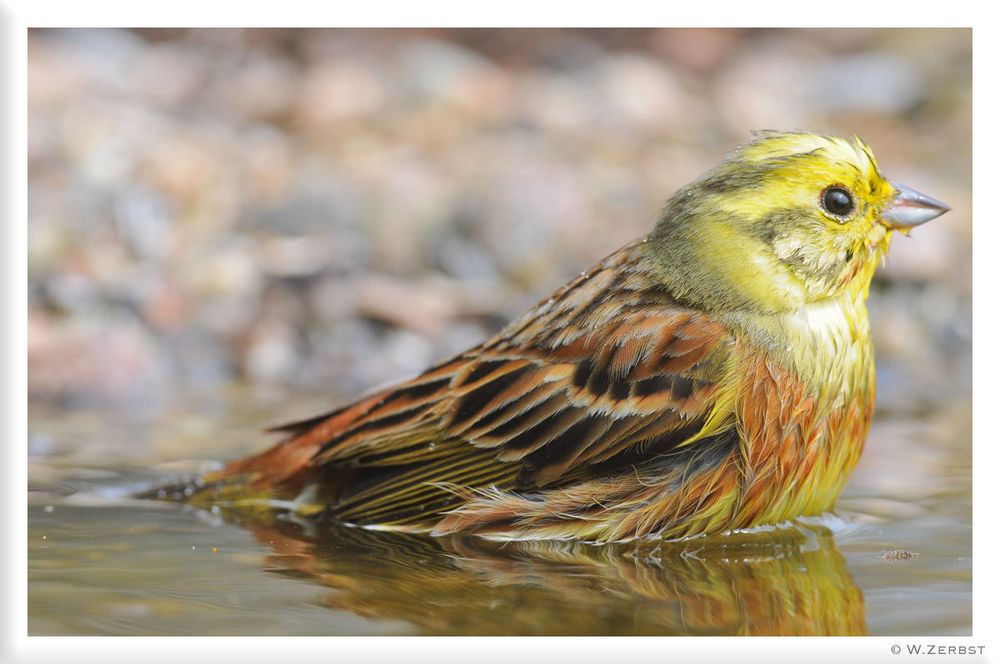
[{"x": 717, "y": 374}]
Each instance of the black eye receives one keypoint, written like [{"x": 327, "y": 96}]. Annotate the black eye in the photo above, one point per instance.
[{"x": 838, "y": 201}]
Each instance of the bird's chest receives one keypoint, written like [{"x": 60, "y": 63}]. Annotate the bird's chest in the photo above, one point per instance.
[{"x": 804, "y": 411}]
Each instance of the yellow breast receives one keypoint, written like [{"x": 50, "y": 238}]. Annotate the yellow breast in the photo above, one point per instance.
[
  {"x": 804, "y": 410},
  {"x": 829, "y": 345}
]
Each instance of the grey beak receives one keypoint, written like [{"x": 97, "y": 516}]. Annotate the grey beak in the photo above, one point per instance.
[{"x": 911, "y": 208}]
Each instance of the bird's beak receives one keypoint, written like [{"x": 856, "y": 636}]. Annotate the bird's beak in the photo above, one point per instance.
[{"x": 911, "y": 208}]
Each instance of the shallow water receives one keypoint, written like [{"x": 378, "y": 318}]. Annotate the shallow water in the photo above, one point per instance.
[{"x": 896, "y": 559}]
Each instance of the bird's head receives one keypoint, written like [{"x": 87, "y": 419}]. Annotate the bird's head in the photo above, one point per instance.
[{"x": 788, "y": 219}]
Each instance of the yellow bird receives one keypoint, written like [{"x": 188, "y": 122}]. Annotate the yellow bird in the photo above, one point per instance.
[{"x": 716, "y": 374}]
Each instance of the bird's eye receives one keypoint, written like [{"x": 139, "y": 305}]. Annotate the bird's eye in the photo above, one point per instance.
[{"x": 838, "y": 201}]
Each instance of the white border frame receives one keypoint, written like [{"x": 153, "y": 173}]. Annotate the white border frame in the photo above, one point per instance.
[{"x": 16, "y": 17}]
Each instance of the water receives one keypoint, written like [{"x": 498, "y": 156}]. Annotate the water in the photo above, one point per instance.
[{"x": 896, "y": 559}]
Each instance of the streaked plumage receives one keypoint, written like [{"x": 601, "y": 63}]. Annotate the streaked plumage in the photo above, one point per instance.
[{"x": 717, "y": 374}]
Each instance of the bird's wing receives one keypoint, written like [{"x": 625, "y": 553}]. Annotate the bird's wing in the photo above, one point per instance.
[{"x": 609, "y": 371}]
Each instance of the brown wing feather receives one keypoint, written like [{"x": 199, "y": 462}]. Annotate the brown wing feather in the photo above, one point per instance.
[{"x": 609, "y": 369}]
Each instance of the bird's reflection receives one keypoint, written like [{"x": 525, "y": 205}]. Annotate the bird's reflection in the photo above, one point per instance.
[{"x": 788, "y": 581}]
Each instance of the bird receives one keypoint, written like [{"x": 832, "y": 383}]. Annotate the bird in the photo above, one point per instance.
[{"x": 717, "y": 374}]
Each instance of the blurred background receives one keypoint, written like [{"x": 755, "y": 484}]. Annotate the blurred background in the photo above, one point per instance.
[{"x": 316, "y": 212}]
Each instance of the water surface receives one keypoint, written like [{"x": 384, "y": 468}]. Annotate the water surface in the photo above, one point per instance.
[{"x": 896, "y": 559}]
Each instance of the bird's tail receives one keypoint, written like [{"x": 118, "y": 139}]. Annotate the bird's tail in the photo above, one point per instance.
[{"x": 281, "y": 478}]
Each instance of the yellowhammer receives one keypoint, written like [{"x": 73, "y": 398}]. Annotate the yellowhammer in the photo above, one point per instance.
[{"x": 716, "y": 374}]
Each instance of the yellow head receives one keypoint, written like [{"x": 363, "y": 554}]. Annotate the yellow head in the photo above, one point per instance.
[{"x": 788, "y": 219}]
